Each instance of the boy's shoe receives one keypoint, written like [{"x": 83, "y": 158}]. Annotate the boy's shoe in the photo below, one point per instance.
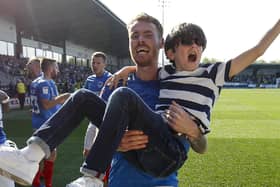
[
  {"x": 86, "y": 181},
  {"x": 16, "y": 167}
]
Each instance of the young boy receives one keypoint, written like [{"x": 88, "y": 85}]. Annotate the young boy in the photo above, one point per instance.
[
  {"x": 167, "y": 149},
  {"x": 194, "y": 86}
]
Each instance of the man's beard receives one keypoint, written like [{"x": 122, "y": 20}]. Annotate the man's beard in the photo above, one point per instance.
[
  {"x": 144, "y": 64},
  {"x": 143, "y": 61},
  {"x": 54, "y": 76}
]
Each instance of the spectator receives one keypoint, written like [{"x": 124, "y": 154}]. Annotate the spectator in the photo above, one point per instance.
[{"x": 21, "y": 91}]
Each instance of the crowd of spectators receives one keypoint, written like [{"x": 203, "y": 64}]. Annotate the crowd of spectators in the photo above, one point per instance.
[
  {"x": 12, "y": 70},
  {"x": 71, "y": 76},
  {"x": 257, "y": 79}
]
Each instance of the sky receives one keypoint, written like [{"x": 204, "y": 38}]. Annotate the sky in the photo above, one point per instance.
[{"x": 231, "y": 26}]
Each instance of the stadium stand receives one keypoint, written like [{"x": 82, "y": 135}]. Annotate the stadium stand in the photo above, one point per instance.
[
  {"x": 257, "y": 76},
  {"x": 70, "y": 36},
  {"x": 28, "y": 29}
]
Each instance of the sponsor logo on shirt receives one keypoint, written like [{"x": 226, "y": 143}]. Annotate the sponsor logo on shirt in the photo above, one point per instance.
[{"x": 45, "y": 90}]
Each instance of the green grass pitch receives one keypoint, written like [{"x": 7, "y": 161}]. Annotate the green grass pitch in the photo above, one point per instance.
[{"x": 244, "y": 144}]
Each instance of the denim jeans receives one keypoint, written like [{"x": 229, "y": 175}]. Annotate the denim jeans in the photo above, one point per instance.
[
  {"x": 164, "y": 154},
  {"x": 82, "y": 103}
]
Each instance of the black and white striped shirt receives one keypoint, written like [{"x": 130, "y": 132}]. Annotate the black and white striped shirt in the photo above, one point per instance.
[{"x": 196, "y": 91}]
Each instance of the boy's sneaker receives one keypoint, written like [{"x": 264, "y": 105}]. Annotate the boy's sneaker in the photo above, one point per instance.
[
  {"x": 16, "y": 167},
  {"x": 86, "y": 181}
]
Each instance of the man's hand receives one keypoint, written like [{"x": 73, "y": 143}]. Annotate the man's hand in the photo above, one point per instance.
[
  {"x": 4, "y": 101},
  {"x": 4, "y": 98},
  {"x": 85, "y": 152},
  {"x": 133, "y": 140},
  {"x": 62, "y": 97}
]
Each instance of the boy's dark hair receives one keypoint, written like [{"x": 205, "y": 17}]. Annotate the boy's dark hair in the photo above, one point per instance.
[
  {"x": 149, "y": 19},
  {"x": 186, "y": 34}
]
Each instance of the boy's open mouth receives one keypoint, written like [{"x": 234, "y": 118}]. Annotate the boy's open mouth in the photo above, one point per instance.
[{"x": 192, "y": 57}]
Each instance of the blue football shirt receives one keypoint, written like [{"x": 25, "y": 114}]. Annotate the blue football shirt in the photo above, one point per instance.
[
  {"x": 123, "y": 173},
  {"x": 42, "y": 89},
  {"x": 95, "y": 83}
]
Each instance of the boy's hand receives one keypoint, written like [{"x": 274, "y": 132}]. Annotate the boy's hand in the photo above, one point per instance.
[
  {"x": 122, "y": 74},
  {"x": 114, "y": 80},
  {"x": 181, "y": 122}
]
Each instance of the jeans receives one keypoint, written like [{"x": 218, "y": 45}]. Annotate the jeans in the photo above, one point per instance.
[
  {"x": 82, "y": 103},
  {"x": 164, "y": 154}
]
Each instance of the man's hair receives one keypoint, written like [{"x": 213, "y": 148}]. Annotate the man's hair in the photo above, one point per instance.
[
  {"x": 185, "y": 33},
  {"x": 46, "y": 63},
  {"x": 149, "y": 19},
  {"x": 33, "y": 60},
  {"x": 99, "y": 54}
]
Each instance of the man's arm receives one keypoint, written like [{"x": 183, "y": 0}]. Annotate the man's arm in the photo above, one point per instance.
[
  {"x": 248, "y": 57},
  {"x": 4, "y": 100},
  {"x": 199, "y": 143},
  {"x": 132, "y": 139},
  {"x": 47, "y": 104}
]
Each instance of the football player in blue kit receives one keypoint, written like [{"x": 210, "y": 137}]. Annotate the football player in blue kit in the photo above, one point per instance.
[
  {"x": 45, "y": 101},
  {"x": 95, "y": 83}
]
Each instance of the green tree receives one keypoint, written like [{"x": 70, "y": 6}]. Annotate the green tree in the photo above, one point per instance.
[{"x": 209, "y": 60}]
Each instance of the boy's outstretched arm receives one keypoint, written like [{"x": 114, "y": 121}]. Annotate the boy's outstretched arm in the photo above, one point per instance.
[{"x": 248, "y": 57}]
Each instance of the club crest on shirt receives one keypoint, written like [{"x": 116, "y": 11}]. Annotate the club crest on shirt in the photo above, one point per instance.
[
  {"x": 45, "y": 90},
  {"x": 100, "y": 84}
]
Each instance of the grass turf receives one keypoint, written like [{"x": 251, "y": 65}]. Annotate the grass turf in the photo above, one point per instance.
[{"x": 244, "y": 145}]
